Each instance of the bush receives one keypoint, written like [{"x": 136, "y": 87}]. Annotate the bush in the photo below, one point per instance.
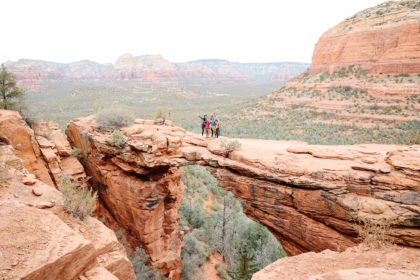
[
  {"x": 118, "y": 138},
  {"x": 143, "y": 272},
  {"x": 229, "y": 146},
  {"x": 115, "y": 117},
  {"x": 222, "y": 272},
  {"x": 4, "y": 174},
  {"x": 75, "y": 152},
  {"x": 193, "y": 256},
  {"x": 78, "y": 201},
  {"x": 413, "y": 138},
  {"x": 159, "y": 114},
  {"x": 375, "y": 233}
]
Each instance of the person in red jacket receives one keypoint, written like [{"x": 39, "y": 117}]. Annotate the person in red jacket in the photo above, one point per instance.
[{"x": 207, "y": 126}]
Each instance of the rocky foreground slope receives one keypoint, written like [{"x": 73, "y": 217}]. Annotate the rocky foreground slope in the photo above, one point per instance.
[
  {"x": 356, "y": 263},
  {"x": 310, "y": 197},
  {"x": 38, "y": 239}
]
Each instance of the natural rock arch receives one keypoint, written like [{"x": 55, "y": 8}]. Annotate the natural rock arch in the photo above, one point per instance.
[{"x": 308, "y": 196}]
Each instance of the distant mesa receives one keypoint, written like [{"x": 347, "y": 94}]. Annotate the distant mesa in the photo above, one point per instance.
[
  {"x": 33, "y": 75},
  {"x": 384, "y": 39}
]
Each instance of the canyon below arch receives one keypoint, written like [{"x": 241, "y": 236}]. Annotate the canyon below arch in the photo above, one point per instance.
[{"x": 311, "y": 197}]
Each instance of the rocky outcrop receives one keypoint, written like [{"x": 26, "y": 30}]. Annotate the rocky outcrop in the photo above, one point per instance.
[
  {"x": 44, "y": 150},
  {"x": 356, "y": 263},
  {"x": 14, "y": 131},
  {"x": 310, "y": 197},
  {"x": 384, "y": 39},
  {"x": 39, "y": 240},
  {"x": 137, "y": 186},
  {"x": 57, "y": 153}
]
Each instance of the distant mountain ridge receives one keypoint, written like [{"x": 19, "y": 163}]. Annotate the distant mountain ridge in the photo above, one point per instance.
[{"x": 128, "y": 66}]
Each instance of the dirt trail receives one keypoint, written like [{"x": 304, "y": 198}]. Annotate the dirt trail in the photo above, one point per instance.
[{"x": 210, "y": 272}]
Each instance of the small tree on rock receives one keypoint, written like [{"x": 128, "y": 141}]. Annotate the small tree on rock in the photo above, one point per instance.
[{"x": 8, "y": 89}]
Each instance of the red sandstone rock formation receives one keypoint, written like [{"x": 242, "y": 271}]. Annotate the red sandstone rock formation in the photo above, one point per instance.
[
  {"x": 56, "y": 151},
  {"x": 137, "y": 185},
  {"x": 39, "y": 240},
  {"x": 384, "y": 39},
  {"x": 355, "y": 263},
  {"x": 308, "y": 196},
  {"x": 44, "y": 150},
  {"x": 15, "y": 132}
]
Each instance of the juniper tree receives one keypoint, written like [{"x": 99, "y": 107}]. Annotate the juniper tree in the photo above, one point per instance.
[{"x": 8, "y": 89}]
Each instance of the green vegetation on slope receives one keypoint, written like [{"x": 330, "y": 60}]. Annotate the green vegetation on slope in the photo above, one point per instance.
[{"x": 216, "y": 224}]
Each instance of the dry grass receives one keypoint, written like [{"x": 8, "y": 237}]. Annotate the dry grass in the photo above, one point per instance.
[
  {"x": 375, "y": 233},
  {"x": 78, "y": 201},
  {"x": 413, "y": 138},
  {"x": 4, "y": 174},
  {"x": 229, "y": 146}
]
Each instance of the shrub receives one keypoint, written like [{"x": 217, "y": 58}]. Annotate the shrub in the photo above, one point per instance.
[
  {"x": 170, "y": 110},
  {"x": 143, "y": 272},
  {"x": 193, "y": 256},
  {"x": 221, "y": 272},
  {"x": 115, "y": 117},
  {"x": 375, "y": 233},
  {"x": 229, "y": 146},
  {"x": 159, "y": 114},
  {"x": 75, "y": 152},
  {"x": 78, "y": 201},
  {"x": 4, "y": 174},
  {"x": 118, "y": 138},
  {"x": 413, "y": 138}
]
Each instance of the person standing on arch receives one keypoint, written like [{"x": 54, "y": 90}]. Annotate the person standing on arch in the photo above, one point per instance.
[{"x": 203, "y": 124}]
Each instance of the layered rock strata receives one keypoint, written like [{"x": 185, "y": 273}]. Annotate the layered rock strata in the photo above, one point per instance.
[
  {"x": 384, "y": 39},
  {"x": 310, "y": 197},
  {"x": 14, "y": 131},
  {"x": 57, "y": 153},
  {"x": 44, "y": 150},
  {"x": 39, "y": 240},
  {"x": 137, "y": 185}
]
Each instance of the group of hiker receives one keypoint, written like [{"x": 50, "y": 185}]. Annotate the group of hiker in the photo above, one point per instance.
[{"x": 212, "y": 124}]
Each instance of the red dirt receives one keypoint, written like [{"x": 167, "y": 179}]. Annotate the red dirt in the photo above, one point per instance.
[{"x": 359, "y": 262}]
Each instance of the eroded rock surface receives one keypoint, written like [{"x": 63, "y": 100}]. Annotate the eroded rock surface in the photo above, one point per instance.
[
  {"x": 356, "y": 263},
  {"x": 137, "y": 185},
  {"x": 57, "y": 153},
  {"x": 309, "y": 196},
  {"x": 384, "y": 39},
  {"x": 39, "y": 240},
  {"x": 45, "y": 151},
  {"x": 14, "y": 131}
]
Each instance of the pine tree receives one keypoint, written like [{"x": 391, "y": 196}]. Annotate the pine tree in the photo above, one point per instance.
[
  {"x": 246, "y": 264},
  {"x": 8, "y": 89}
]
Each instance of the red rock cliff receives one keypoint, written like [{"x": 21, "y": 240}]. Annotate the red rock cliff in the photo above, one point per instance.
[
  {"x": 308, "y": 196},
  {"x": 39, "y": 240},
  {"x": 137, "y": 185},
  {"x": 384, "y": 39}
]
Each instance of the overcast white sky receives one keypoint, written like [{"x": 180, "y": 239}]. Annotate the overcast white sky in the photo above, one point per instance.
[{"x": 180, "y": 30}]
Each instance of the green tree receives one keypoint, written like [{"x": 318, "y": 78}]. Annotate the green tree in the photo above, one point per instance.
[
  {"x": 246, "y": 265},
  {"x": 8, "y": 89}
]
